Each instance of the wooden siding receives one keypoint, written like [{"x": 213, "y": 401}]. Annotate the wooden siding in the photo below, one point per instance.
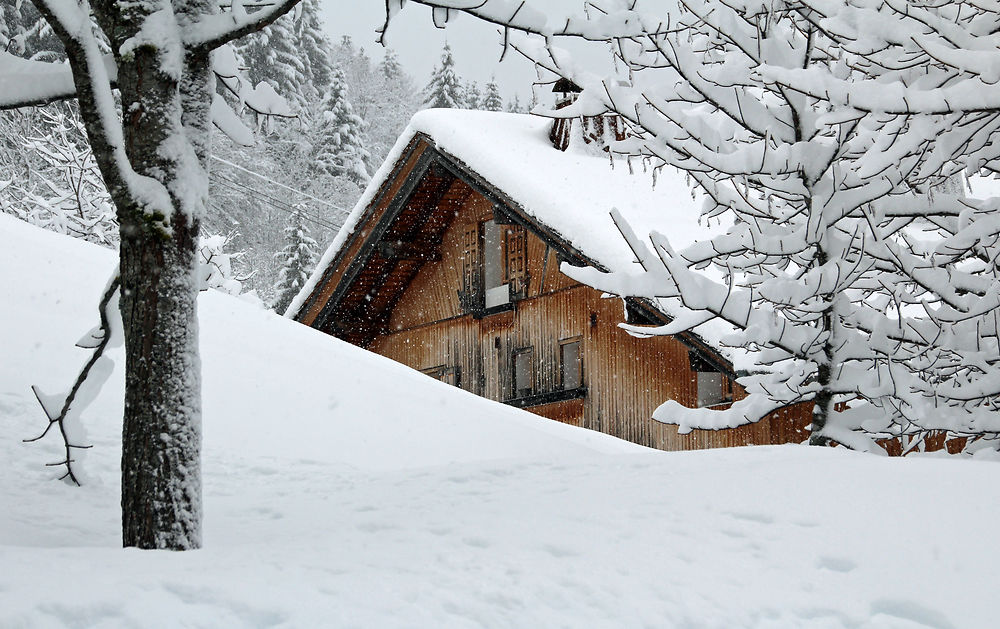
[{"x": 626, "y": 378}]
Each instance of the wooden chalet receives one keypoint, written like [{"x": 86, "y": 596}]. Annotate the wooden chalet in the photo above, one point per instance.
[{"x": 450, "y": 264}]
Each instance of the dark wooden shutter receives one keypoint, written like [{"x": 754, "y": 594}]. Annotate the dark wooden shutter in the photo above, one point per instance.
[
  {"x": 470, "y": 295},
  {"x": 516, "y": 269}
]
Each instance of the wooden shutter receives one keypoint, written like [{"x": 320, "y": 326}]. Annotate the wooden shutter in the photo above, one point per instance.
[
  {"x": 516, "y": 269},
  {"x": 469, "y": 295}
]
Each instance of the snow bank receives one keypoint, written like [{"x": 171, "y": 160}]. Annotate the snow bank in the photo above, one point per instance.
[{"x": 342, "y": 490}]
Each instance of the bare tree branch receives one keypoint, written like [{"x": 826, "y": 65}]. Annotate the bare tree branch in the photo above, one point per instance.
[{"x": 60, "y": 418}]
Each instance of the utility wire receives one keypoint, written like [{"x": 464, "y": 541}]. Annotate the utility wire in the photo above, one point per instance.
[
  {"x": 247, "y": 189},
  {"x": 280, "y": 185},
  {"x": 276, "y": 204}
]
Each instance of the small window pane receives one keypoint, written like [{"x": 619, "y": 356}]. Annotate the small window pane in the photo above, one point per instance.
[
  {"x": 572, "y": 365},
  {"x": 710, "y": 388},
  {"x": 448, "y": 375},
  {"x": 492, "y": 255},
  {"x": 522, "y": 372}
]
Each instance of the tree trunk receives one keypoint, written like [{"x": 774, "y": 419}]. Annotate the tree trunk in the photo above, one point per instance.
[
  {"x": 161, "y": 434},
  {"x": 166, "y": 118},
  {"x": 823, "y": 402}
]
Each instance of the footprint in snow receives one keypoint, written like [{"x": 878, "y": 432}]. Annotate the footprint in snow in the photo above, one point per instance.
[
  {"x": 759, "y": 518},
  {"x": 560, "y": 552},
  {"x": 836, "y": 564},
  {"x": 476, "y": 542}
]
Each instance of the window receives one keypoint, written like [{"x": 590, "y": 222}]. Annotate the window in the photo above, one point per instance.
[
  {"x": 571, "y": 363},
  {"x": 448, "y": 375},
  {"x": 523, "y": 372},
  {"x": 496, "y": 290},
  {"x": 710, "y": 388},
  {"x": 494, "y": 268},
  {"x": 713, "y": 386}
]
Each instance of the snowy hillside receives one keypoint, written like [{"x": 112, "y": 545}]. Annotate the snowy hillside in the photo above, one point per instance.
[{"x": 343, "y": 490}]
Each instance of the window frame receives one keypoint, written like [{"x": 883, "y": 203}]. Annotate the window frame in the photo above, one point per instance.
[
  {"x": 515, "y": 354},
  {"x": 448, "y": 374},
  {"x": 478, "y": 261},
  {"x": 724, "y": 394},
  {"x": 563, "y": 343},
  {"x": 485, "y": 263}
]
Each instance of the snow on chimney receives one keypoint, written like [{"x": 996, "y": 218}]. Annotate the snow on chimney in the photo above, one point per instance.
[{"x": 600, "y": 129}]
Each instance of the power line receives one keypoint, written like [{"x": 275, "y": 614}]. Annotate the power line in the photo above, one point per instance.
[
  {"x": 241, "y": 187},
  {"x": 276, "y": 183},
  {"x": 273, "y": 202}
]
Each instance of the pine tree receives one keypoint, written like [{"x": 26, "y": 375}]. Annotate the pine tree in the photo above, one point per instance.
[
  {"x": 390, "y": 67},
  {"x": 25, "y": 33},
  {"x": 492, "y": 100},
  {"x": 293, "y": 55},
  {"x": 473, "y": 99},
  {"x": 396, "y": 99},
  {"x": 297, "y": 260},
  {"x": 444, "y": 89},
  {"x": 315, "y": 47},
  {"x": 340, "y": 150},
  {"x": 273, "y": 56},
  {"x": 514, "y": 105}
]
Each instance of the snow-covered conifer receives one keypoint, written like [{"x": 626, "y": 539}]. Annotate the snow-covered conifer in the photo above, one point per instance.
[
  {"x": 471, "y": 96},
  {"x": 390, "y": 67},
  {"x": 340, "y": 151},
  {"x": 492, "y": 101},
  {"x": 514, "y": 105},
  {"x": 297, "y": 259},
  {"x": 273, "y": 56},
  {"x": 314, "y": 47},
  {"x": 444, "y": 88}
]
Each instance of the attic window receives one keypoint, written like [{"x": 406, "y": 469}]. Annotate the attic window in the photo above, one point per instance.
[{"x": 494, "y": 269}]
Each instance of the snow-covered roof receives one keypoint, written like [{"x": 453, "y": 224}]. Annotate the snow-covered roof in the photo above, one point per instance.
[{"x": 570, "y": 192}]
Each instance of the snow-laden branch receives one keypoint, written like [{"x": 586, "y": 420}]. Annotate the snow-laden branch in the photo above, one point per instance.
[
  {"x": 25, "y": 83},
  {"x": 94, "y": 90},
  {"x": 212, "y": 31},
  {"x": 619, "y": 20}
]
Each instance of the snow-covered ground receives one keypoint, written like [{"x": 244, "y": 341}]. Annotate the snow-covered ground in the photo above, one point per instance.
[{"x": 343, "y": 490}]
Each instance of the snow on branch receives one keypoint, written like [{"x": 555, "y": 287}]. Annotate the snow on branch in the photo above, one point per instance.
[
  {"x": 25, "y": 83},
  {"x": 830, "y": 134},
  {"x": 520, "y": 16},
  {"x": 212, "y": 31}
]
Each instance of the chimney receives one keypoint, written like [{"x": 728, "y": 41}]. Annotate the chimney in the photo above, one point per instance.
[
  {"x": 566, "y": 92},
  {"x": 594, "y": 129}
]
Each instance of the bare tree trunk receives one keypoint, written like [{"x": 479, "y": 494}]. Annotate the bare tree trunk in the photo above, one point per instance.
[
  {"x": 823, "y": 402},
  {"x": 161, "y": 433}
]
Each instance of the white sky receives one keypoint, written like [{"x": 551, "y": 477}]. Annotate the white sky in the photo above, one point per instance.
[{"x": 475, "y": 44}]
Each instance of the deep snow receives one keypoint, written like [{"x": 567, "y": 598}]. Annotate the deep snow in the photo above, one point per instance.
[{"x": 343, "y": 490}]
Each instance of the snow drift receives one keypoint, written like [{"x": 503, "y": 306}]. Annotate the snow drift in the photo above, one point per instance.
[{"x": 343, "y": 490}]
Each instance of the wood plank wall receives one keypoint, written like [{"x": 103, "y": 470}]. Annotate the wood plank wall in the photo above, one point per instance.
[{"x": 626, "y": 377}]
